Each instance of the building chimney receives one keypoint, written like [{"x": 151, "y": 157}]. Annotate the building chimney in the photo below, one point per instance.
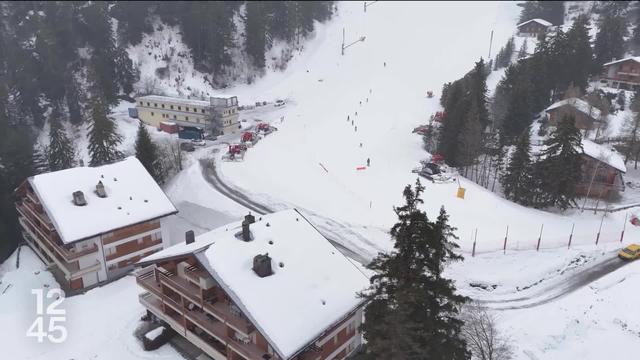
[
  {"x": 78, "y": 198},
  {"x": 250, "y": 218},
  {"x": 189, "y": 237},
  {"x": 246, "y": 232},
  {"x": 262, "y": 265},
  {"x": 100, "y": 191}
]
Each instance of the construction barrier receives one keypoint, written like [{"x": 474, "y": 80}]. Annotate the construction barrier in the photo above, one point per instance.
[{"x": 461, "y": 192}]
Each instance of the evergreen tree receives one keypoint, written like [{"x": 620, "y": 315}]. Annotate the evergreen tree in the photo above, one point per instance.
[
  {"x": 579, "y": 55},
  {"x": 103, "y": 136},
  {"x": 60, "y": 153},
  {"x": 412, "y": 311},
  {"x": 561, "y": 165},
  {"x": 609, "y": 42},
  {"x": 552, "y": 11},
  {"x": 517, "y": 180},
  {"x": 256, "y": 33},
  {"x": 522, "y": 53},
  {"x": 147, "y": 153}
]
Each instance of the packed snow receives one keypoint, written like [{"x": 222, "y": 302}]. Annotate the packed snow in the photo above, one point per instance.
[{"x": 132, "y": 197}]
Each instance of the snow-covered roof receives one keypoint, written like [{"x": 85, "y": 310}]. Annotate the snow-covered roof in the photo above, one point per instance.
[
  {"x": 634, "y": 58},
  {"x": 605, "y": 154},
  {"x": 313, "y": 286},
  {"x": 578, "y": 104},
  {"x": 174, "y": 100},
  {"x": 132, "y": 197},
  {"x": 539, "y": 21}
]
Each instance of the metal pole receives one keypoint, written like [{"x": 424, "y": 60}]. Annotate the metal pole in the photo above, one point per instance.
[
  {"x": 473, "y": 251},
  {"x": 590, "y": 184},
  {"x": 490, "y": 44},
  {"x": 504, "y": 247},
  {"x": 600, "y": 228},
  {"x": 539, "y": 238},
  {"x": 342, "y": 41},
  {"x": 624, "y": 225},
  {"x": 571, "y": 235},
  {"x": 365, "y": 6}
]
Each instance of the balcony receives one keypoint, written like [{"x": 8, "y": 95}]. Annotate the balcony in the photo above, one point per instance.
[
  {"x": 146, "y": 279},
  {"x": 39, "y": 234},
  {"x": 181, "y": 286},
  {"x": 222, "y": 310},
  {"x": 214, "y": 328}
]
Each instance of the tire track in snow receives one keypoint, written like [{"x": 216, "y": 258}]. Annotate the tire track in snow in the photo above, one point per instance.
[{"x": 327, "y": 230}]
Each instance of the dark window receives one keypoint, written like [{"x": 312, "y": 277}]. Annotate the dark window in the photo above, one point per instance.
[
  {"x": 152, "y": 113},
  {"x": 148, "y": 104},
  {"x": 140, "y": 102},
  {"x": 154, "y": 104},
  {"x": 186, "y": 118},
  {"x": 186, "y": 109},
  {"x": 162, "y": 105},
  {"x": 179, "y": 107},
  {"x": 203, "y": 111},
  {"x": 175, "y": 117},
  {"x": 171, "y": 107}
]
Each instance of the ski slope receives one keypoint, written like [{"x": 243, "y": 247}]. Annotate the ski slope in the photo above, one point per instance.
[{"x": 311, "y": 162}]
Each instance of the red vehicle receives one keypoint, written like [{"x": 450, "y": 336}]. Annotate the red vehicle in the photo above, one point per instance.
[
  {"x": 235, "y": 152},
  {"x": 437, "y": 159},
  {"x": 438, "y": 116},
  {"x": 248, "y": 137}
]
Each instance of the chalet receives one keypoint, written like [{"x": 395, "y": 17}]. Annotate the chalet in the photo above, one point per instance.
[
  {"x": 220, "y": 113},
  {"x": 533, "y": 27},
  {"x": 622, "y": 74},
  {"x": 91, "y": 224},
  {"x": 586, "y": 115},
  {"x": 602, "y": 171},
  {"x": 266, "y": 288}
]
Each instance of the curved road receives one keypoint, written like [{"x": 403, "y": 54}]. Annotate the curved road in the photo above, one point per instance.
[
  {"x": 566, "y": 286},
  {"x": 211, "y": 176}
]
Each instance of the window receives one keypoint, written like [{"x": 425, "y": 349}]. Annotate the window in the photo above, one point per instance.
[
  {"x": 156, "y": 236},
  {"x": 195, "y": 110},
  {"x": 203, "y": 111},
  {"x": 148, "y": 104},
  {"x": 171, "y": 107},
  {"x": 162, "y": 105},
  {"x": 109, "y": 251},
  {"x": 351, "y": 327},
  {"x": 186, "y": 108},
  {"x": 112, "y": 267},
  {"x": 140, "y": 102},
  {"x": 175, "y": 117},
  {"x": 140, "y": 241},
  {"x": 155, "y": 105},
  {"x": 179, "y": 107},
  {"x": 152, "y": 113},
  {"x": 186, "y": 118}
]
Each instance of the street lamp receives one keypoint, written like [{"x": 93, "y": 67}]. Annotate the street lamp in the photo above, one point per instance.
[
  {"x": 369, "y": 4},
  {"x": 361, "y": 39}
]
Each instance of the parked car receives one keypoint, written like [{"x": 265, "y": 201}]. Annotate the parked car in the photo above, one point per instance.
[
  {"x": 187, "y": 146},
  {"x": 631, "y": 252},
  {"x": 198, "y": 142},
  {"x": 279, "y": 103}
]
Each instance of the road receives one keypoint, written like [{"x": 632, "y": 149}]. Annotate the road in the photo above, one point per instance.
[
  {"x": 327, "y": 229},
  {"x": 562, "y": 287}
]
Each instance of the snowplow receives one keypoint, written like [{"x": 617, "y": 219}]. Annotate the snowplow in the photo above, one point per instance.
[
  {"x": 249, "y": 138},
  {"x": 436, "y": 172},
  {"x": 265, "y": 128},
  {"x": 235, "y": 152}
]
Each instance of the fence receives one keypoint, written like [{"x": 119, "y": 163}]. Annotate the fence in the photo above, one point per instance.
[{"x": 543, "y": 240}]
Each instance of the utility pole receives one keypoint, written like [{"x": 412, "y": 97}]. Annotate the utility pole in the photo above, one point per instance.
[
  {"x": 595, "y": 171},
  {"x": 369, "y": 4},
  {"x": 360, "y": 39},
  {"x": 490, "y": 44}
]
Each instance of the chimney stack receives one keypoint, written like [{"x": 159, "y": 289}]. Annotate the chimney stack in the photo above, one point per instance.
[
  {"x": 250, "y": 218},
  {"x": 262, "y": 265},
  {"x": 100, "y": 191},
  {"x": 78, "y": 198},
  {"x": 246, "y": 232},
  {"x": 189, "y": 237}
]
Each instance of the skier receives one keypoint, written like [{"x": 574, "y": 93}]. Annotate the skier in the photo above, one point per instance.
[
  {"x": 360, "y": 102},
  {"x": 356, "y": 128},
  {"x": 368, "y": 162},
  {"x": 385, "y": 64},
  {"x": 360, "y": 144},
  {"x": 367, "y": 99},
  {"x": 347, "y": 117},
  {"x": 356, "y": 113},
  {"x": 351, "y": 122}
]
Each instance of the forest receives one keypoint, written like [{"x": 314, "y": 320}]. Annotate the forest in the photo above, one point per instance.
[{"x": 66, "y": 64}]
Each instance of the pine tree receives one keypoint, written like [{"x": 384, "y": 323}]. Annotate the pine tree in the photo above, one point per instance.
[
  {"x": 517, "y": 180},
  {"x": 256, "y": 33},
  {"x": 561, "y": 165},
  {"x": 103, "y": 136},
  {"x": 609, "y": 42},
  {"x": 60, "y": 153},
  {"x": 522, "y": 53},
  {"x": 147, "y": 153},
  {"x": 579, "y": 55},
  {"x": 412, "y": 311}
]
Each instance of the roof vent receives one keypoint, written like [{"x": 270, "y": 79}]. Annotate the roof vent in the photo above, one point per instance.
[
  {"x": 262, "y": 265},
  {"x": 189, "y": 237},
  {"x": 78, "y": 198},
  {"x": 100, "y": 191}
]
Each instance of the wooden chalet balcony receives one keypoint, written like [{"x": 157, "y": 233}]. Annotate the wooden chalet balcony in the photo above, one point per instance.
[
  {"x": 34, "y": 224},
  {"x": 207, "y": 323},
  {"x": 193, "y": 293}
]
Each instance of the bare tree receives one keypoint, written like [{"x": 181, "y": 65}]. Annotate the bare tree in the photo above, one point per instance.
[
  {"x": 482, "y": 336},
  {"x": 149, "y": 86},
  {"x": 171, "y": 156}
]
